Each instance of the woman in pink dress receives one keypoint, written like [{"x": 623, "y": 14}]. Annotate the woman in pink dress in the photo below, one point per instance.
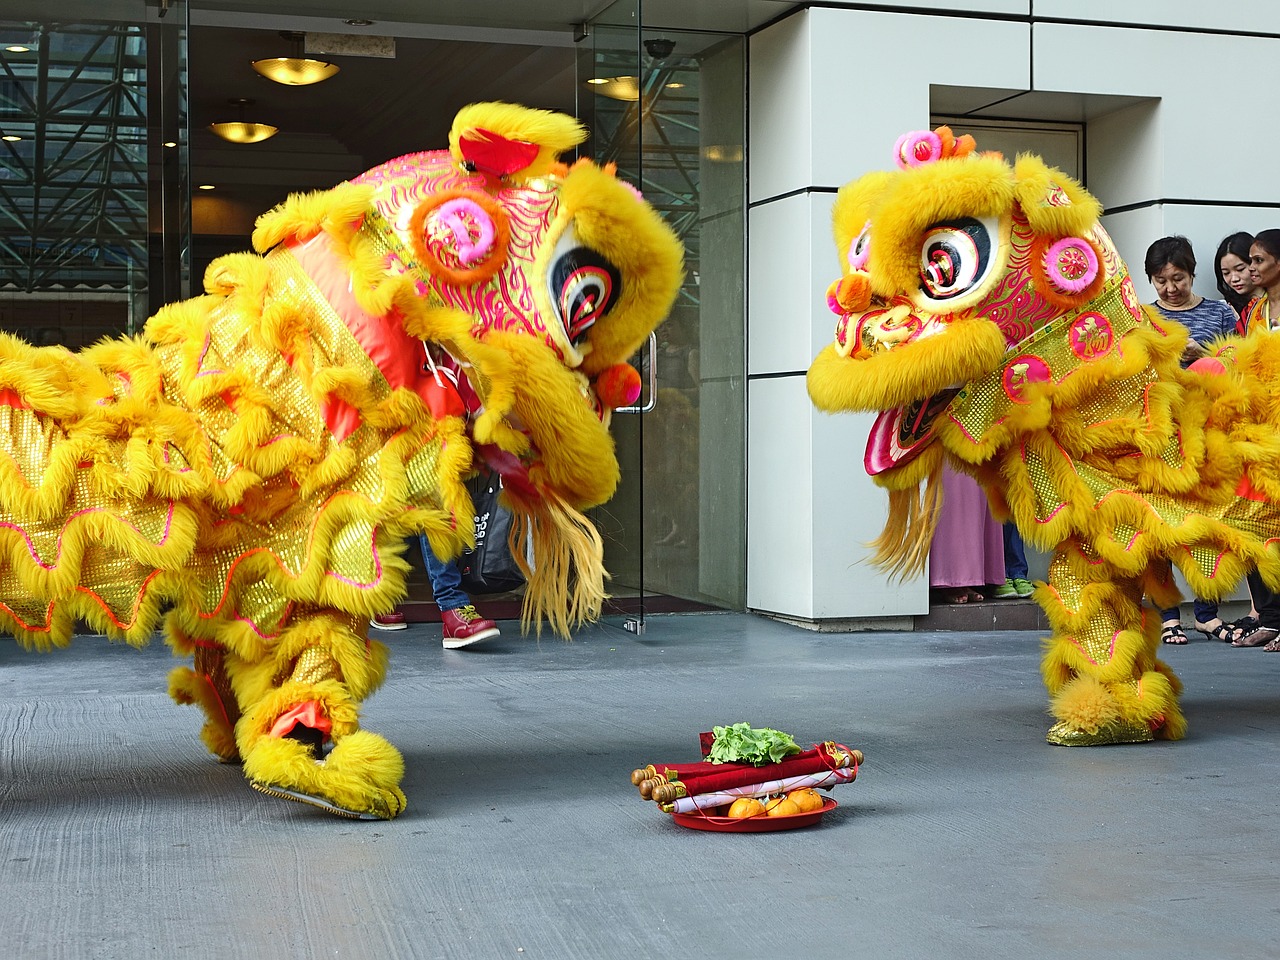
[{"x": 968, "y": 545}]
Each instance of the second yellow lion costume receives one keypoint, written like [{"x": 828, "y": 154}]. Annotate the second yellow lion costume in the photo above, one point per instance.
[
  {"x": 986, "y": 313},
  {"x": 255, "y": 460}
]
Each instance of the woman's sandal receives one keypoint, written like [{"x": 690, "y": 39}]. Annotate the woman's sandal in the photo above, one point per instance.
[
  {"x": 1245, "y": 625},
  {"x": 1173, "y": 633},
  {"x": 1260, "y": 637},
  {"x": 1226, "y": 632}
]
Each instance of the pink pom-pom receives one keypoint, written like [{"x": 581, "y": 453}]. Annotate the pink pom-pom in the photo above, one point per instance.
[
  {"x": 1071, "y": 264},
  {"x": 917, "y": 148}
]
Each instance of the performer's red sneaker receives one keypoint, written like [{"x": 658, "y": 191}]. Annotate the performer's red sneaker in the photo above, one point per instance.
[{"x": 463, "y": 627}]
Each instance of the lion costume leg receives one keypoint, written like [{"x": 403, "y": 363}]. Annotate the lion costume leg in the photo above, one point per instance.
[
  {"x": 293, "y": 715},
  {"x": 307, "y": 699},
  {"x": 207, "y": 685},
  {"x": 1105, "y": 682}
]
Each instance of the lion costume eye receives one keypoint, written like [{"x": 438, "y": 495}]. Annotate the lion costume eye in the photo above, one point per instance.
[
  {"x": 860, "y": 248},
  {"x": 956, "y": 256},
  {"x": 583, "y": 285}
]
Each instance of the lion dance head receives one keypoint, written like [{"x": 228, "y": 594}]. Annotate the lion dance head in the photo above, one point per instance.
[
  {"x": 507, "y": 289},
  {"x": 970, "y": 290}
]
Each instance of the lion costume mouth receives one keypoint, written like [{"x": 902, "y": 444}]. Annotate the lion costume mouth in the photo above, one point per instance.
[{"x": 900, "y": 435}]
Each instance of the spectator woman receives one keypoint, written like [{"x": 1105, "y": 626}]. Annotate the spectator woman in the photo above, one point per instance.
[
  {"x": 1234, "y": 281},
  {"x": 1264, "y": 270},
  {"x": 1171, "y": 268}
]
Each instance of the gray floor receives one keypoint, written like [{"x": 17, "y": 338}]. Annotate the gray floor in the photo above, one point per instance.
[{"x": 964, "y": 836}]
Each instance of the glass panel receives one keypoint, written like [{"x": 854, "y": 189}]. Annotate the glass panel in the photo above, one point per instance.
[
  {"x": 78, "y": 161},
  {"x": 675, "y": 126},
  {"x": 610, "y": 105}
]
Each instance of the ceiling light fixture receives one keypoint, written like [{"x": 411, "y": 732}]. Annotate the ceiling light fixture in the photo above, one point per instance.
[
  {"x": 617, "y": 88},
  {"x": 358, "y": 22},
  {"x": 17, "y": 48},
  {"x": 10, "y": 138},
  {"x": 298, "y": 70},
  {"x": 242, "y": 130},
  {"x": 205, "y": 186}
]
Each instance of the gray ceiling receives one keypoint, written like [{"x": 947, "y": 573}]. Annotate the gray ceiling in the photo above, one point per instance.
[
  {"x": 373, "y": 110},
  {"x": 447, "y": 54}
]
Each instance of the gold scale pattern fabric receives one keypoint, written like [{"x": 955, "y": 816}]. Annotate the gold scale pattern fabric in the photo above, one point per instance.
[{"x": 105, "y": 549}]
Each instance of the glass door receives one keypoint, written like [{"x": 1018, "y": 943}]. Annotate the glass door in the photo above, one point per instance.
[
  {"x": 668, "y": 108},
  {"x": 95, "y": 226}
]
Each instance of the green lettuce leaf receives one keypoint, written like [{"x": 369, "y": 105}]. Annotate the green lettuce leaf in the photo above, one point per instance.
[{"x": 740, "y": 743}]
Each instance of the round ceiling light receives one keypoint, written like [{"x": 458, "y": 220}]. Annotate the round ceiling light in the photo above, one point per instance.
[
  {"x": 616, "y": 88},
  {"x": 295, "y": 71},
  {"x": 242, "y": 130}
]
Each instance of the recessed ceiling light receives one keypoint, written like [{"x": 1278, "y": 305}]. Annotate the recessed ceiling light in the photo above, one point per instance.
[
  {"x": 675, "y": 86},
  {"x": 170, "y": 143},
  {"x": 17, "y": 48},
  {"x": 358, "y": 22},
  {"x": 206, "y": 186},
  {"x": 10, "y": 138}
]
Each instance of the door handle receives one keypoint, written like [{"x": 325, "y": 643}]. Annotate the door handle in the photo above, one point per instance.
[{"x": 652, "y": 402}]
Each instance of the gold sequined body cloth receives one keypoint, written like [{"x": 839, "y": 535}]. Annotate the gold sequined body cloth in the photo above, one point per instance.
[
  {"x": 201, "y": 472},
  {"x": 256, "y": 460}
]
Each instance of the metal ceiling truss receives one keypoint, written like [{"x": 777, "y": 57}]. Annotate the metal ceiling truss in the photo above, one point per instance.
[
  {"x": 664, "y": 124},
  {"x": 73, "y": 189}
]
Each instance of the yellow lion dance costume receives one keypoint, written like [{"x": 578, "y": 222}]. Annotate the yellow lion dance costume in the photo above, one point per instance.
[
  {"x": 255, "y": 460},
  {"x": 986, "y": 313}
]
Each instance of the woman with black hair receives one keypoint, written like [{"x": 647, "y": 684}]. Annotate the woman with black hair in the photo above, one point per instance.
[
  {"x": 1234, "y": 281},
  {"x": 1264, "y": 270},
  {"x": 1171, "y": 268}
]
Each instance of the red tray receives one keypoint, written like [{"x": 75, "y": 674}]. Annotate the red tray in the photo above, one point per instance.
[{"x": 756, "y": 824}]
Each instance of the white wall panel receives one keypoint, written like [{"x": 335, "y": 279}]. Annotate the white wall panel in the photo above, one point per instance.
[
  {"x": 780, "y": 121},
  {"x": 872, "y": 73},
  {"x": 1245, "y": 17},
  {"x": 1007, "y": 7},
  {"x": 1202, "y": 157},
  {"x": 811, "y": 509},
  {"x": 850, "y": 511},
  {"x": 792, "y": 262},
  {"x": 832, "y": 90},
  {"x": 1124, "y": 155},
  {"x": 780, "y": 519}
]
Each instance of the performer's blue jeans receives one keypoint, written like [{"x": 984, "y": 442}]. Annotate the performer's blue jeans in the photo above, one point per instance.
[{"x": 446, "y": 578}]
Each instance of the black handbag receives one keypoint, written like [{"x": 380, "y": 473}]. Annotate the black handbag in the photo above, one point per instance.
[{"x": 490, "y": 567}]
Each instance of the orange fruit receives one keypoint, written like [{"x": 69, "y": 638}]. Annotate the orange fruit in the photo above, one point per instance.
[
  {"x": 808, "y": 799},
  {"x": 745, "y": 807},
  {"x": 785, "y": 807}
]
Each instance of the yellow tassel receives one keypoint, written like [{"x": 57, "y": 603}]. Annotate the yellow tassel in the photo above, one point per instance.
[
  {"x": 903, "y": 546},
  {"x": 566, "y": 580}
]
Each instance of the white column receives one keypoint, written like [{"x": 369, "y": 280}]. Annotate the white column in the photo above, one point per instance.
[{"x": 830, "y": 92}]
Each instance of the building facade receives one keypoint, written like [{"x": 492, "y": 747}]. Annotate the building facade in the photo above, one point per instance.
[{"x": 738, "y": 118}]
